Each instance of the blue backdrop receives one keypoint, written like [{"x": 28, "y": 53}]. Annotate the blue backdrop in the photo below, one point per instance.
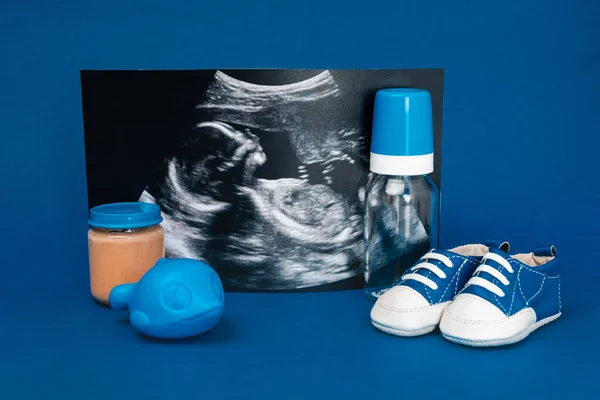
[{"x": 520, "y": 143}]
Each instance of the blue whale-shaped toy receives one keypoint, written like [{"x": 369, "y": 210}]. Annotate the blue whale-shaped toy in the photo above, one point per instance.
[{"x": 176, "y": 298}]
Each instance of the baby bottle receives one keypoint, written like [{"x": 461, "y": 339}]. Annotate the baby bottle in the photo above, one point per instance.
[
  {"x": 401, "y": 201},
  {"x": 125, "y": 240}
]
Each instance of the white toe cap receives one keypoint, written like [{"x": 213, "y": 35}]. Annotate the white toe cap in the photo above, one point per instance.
[
  {"x": 406, "y": 311},
  {"x": 402, "y": 298},
  {"x": 469, "y": 307},
  {"x": 473, "y": 319}
]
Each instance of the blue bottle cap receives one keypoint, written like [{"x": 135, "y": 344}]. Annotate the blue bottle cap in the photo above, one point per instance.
[
  {"x": 125, "y": 215},
  {"x": 402, "y": 136}
]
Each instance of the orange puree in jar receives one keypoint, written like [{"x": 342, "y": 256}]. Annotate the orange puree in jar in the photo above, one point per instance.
[{"x": 125, "y": 240}]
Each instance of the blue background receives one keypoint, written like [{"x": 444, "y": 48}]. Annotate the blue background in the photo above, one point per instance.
[{"x": 519, "y": 163}]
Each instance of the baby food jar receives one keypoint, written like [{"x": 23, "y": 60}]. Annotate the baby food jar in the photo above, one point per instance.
[{"x": 125, "y": 240}]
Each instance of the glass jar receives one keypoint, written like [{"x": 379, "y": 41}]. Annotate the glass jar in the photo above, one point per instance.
[{"x": 124, "y": 241}]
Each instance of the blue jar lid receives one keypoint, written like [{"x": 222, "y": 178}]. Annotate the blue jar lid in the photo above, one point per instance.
[
  {"x": 125, "y": 215},
  {"x": 402, "y": 134}
]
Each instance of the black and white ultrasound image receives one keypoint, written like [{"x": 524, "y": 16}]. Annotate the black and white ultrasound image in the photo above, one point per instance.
[{"x": 259, "y": 173}]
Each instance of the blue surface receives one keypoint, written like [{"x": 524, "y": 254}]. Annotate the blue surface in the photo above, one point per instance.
[
  {"x": 293, "y": 346},
  {"x": 125, "y": 215},
  {"x": 519, "y": 162},
  {"x": 177, "y": 298},
  {"x": 402, "y": 123}
]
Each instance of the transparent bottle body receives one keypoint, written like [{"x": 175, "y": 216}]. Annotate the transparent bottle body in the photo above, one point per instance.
[{"x": 401, "y": 224}]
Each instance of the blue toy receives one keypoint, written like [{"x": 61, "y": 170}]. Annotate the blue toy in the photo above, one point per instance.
[{"x": 176, "y": 298}]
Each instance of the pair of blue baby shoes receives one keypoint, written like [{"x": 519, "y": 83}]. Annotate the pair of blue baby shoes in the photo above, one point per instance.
[{"x": 478, "y": 294}]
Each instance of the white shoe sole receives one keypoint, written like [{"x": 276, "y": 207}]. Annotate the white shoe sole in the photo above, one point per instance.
[
  {"x": 399, "y": 332},
  {"x": 501, "y": 342}
]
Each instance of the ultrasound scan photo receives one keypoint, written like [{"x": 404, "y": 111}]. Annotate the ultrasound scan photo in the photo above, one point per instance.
[{"x": 258, "y": 173}]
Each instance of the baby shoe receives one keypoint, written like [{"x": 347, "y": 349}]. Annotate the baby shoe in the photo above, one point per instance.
[
  {"x": 414, "y": 305},
  {"x": 507, "y": 298}
]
